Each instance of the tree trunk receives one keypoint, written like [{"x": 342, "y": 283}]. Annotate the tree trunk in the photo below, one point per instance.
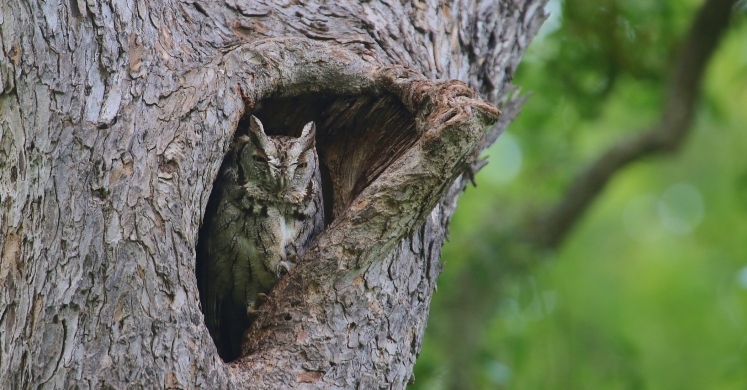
[{"x": 114, "y": 120}]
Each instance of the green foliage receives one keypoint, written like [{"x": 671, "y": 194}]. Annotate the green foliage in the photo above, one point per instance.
[{"x": 650, "y": 289}]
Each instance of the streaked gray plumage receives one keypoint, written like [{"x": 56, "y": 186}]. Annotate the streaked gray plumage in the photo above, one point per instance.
[{"x": 267, "y": 209}]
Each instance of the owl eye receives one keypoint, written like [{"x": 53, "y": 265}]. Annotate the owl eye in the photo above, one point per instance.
[
  {"x": 261, "y": 159},
  {"x": 301, "y": 165}
]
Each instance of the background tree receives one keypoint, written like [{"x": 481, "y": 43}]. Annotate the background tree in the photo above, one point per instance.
[
  {"x": 645, "y": 290},
  {"x": 114, "y": 119}
]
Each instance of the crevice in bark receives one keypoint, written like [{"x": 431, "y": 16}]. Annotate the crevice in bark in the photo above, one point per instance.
[
  {"x": 357, "y": 138},
  {"x": 392, "y": 143}
]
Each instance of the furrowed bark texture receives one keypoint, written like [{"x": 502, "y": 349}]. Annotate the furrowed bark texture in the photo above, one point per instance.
[{"x": 114, "y": 119}]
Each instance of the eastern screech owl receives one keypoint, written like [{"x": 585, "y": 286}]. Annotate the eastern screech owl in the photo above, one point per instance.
[{"x": 267, "y": 209}]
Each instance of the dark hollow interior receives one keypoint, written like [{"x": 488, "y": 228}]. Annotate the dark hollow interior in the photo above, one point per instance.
[{"x": 357, "y": 137}]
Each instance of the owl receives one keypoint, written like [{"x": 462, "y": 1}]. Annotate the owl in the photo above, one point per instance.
[{"x": 265, "y": 209}]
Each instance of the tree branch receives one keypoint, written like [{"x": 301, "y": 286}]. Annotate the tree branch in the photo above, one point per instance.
[{"x": 667, "y": 136}]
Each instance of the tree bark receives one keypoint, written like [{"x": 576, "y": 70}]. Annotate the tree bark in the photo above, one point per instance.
[{"x": 114, "y": 119}]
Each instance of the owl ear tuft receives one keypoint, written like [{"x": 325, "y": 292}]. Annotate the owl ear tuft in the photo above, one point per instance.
[
  {"x": 244, "y": 139},
  {"x": 257, "y": 132},
  {"x": 310, "y": 128},
  {"x": 255, "y": 127},
  {"x": 306, "y": 140},
  {"x": 307, "y": 136}
]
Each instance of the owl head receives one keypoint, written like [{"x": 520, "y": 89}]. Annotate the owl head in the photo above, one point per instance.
[{"x": 276, "y": 167}]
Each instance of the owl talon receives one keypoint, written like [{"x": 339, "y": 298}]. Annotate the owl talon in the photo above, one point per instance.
[
  {"x": 284, "y": 267},
  {"x": 252, "y": 310},
  {"x": 261, "y": 299}
]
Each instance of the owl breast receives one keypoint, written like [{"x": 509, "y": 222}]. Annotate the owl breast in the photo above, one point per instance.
[{"x": 288, "y": 231}]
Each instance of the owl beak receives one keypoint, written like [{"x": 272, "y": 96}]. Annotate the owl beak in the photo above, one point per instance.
[{"x": 281, "y": 184}]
